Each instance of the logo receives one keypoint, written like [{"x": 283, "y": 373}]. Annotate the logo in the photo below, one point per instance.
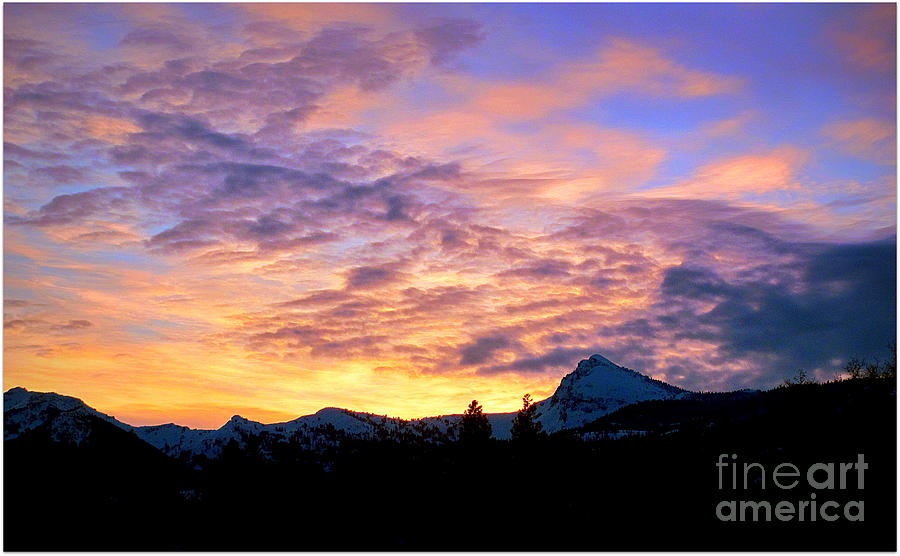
[{"x": 828, "y": 485}]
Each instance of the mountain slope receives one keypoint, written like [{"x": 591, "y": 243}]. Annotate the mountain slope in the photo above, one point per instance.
[
  {"x": 325, "y": 424},
  {"x": 66, "y": 418},
  {"x": 597, "y": 387}
]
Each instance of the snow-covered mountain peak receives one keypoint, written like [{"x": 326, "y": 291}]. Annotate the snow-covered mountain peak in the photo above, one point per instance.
[
  {"x": 594, "y": 361},
  {"x": 16, "y": 398},
  {"x": 65, "y": 416},
  {"x": 15, "y": 394},
  {"x": 326, "y": 411},
  {"x": 238, "y": 424},
  {"x": 596, "y": 387}
]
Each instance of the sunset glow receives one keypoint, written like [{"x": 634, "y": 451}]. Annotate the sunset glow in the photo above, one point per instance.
[{"x": 267, "y": 209}]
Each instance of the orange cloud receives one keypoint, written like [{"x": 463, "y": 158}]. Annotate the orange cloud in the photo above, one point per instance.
[
  {"x": 559, "y": 160},
  {"x": 107, "y": 128},
  {"x": 870, "y": 40},
  {"x": 623, "y": 65},
  {"x": 310, "y": 16},
  {"x": 632, "y": 66},
  {"x": 868, "y": 138},
  {"x": 619, "y": 160},
  {"x": 729, "y": 126},
  {"x": 740, "y": 176}
]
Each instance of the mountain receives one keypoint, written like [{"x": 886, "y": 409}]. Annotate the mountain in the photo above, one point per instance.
[
  {"x": 64, "y": 418},
  {"x": 595, "y": 388},
  {"x": 323, "y": 429}
]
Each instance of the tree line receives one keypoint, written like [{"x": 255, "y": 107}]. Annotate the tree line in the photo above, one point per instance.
[{"x": 854, "y": 369}]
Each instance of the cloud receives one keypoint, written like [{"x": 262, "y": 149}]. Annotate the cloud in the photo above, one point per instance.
[
  {"x": 695, "y": 283},
  {"x": 446, "y": 38},
  {"x": 8, "y": 302},
  {"x": 300, "y": 17},
  {"x": 558, "y": 359},
  {"x": 481, "y": 350},
  {"x": 729, "y": 126},
  {"x": 349, "y": 348},
  {"x": 840, "y": 305},
  {"x": 620, "y": 65},
  {"x": 867, "y": 138},
  {"x": 868, "y": 39},
  {"x": 153, "y": 37},
  {"x": 27, "y": 54},
  {"x": 11, "y": 149},
  {"x": 190, "y": 130},
  {"x": 319, "y": 298},
  {"x": 546, "y": 269},
  {"x": 20, "y": 323},
  {"x": 61, "y": 174},
  {"x": 72, "y": 325},
  {"x": 740, "y": 176},
  {"x": 77, "y": 207},
  {"x": 521, "y": 129},
  {"x": 367, "y": 277}
]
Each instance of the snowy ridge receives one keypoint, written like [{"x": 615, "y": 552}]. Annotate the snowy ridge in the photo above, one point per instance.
[
  {"x": 323, "y": 429},
  {"x": 176, "y": 440},
  {"x": 596, "y": 387},
  {"x": 68, "y": 419}
]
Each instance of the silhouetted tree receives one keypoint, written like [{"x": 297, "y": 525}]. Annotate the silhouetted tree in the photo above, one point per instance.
[
  {"x": 800, "y": 379},
  {"x": 474, "y": 426},
  {"x": 873, "y": 369},
  {"x": 889, "y": 370},
  {"x": 860, "y": 368},
  {"x": 525, "y": 426},
  {"x": 854, "y": 368}
]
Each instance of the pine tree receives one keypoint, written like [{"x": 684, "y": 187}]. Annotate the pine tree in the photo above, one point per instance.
[
  {"x": 474, "y": 426},
  {"x": 525, "y": 426}
]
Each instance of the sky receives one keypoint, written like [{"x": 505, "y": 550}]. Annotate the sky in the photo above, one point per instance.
[{"x": 266, "y": 209}]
